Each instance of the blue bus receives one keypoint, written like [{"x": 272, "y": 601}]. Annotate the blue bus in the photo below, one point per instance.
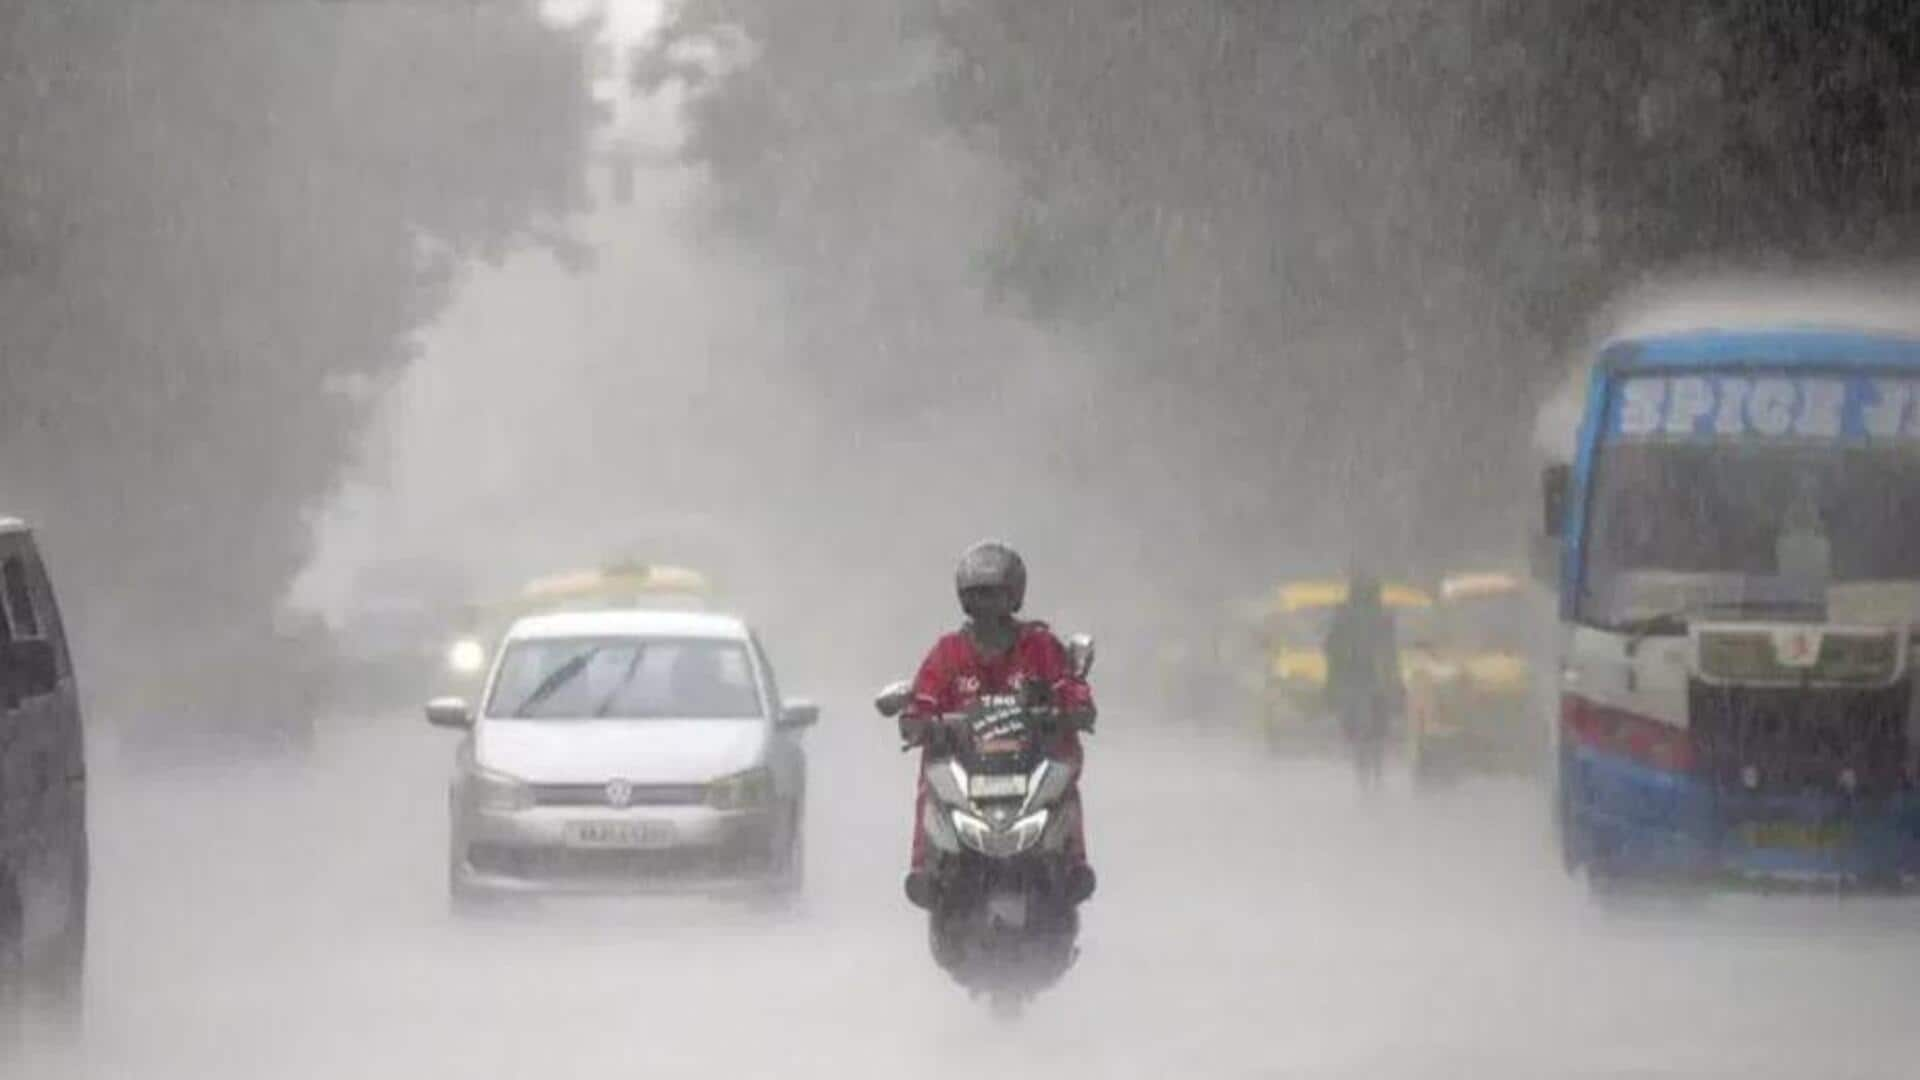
[{"x": 1738, "y": 531}]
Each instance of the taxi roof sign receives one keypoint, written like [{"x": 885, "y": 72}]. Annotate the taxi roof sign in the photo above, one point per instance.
[
  {"x": 1468, "y": 586},
  {"x": 619, "y": 579},
  {"x": 1311, "y": 595}
]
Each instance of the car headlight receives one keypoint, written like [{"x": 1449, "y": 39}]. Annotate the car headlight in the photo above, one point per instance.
[
  {"x": 742, "y": 791},
  {"x": 499, "y": 792},
  {"x": 987, "y": 840},
  {"x": 467, "y": 656}
]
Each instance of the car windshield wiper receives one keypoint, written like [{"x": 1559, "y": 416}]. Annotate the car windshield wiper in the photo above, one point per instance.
[
  {"x": 555, "y": 679},
  {"x": 625, "y": 678}
]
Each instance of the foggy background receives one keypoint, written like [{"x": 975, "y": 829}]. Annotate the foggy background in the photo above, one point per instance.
[{"x": 1180, "y": 296}]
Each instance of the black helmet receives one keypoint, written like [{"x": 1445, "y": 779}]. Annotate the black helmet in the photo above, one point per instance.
[{"x": 991, "y": 580}]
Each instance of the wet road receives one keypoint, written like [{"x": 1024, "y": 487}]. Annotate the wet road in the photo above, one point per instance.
[{"x": 1255, "y": 919}]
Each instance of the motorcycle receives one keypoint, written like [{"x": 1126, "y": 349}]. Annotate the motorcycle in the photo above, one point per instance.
[{"x": 1004, "y": 920}]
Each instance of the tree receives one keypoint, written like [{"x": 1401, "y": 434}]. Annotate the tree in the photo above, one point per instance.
[
  {"x": 1345, "y": 243},
  {"x": 222, "y": 222}
]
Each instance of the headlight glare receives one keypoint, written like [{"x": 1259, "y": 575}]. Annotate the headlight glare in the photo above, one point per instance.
[{"x": 466, "y": 656}]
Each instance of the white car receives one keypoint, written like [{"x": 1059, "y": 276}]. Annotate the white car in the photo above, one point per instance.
[{"x": 626, "y": 750}]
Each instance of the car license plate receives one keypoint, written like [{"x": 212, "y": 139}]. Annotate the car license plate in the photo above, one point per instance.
[
  {"x": 1001, "y": 786},
  {"x": 620, "y": 834},
  {"x": 1797, "y": 835}
]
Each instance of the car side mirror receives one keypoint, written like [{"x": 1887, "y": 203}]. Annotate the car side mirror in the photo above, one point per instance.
[
  {"x": 36, "y": 667},
  {"x": 798, "y": 714},
  {"x": 1555, "y": 482},
  {"x": 893, "y": 699},
  {"x": 1080, "y": 654},
  {"x": 450, "y": 712}
]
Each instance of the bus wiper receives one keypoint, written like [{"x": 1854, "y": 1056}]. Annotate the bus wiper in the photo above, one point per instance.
[
  {"x": 1674, "y": 623},
  {"x": 1659, "y": 624}
]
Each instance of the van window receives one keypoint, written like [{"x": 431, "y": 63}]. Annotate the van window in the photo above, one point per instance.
[{"x": 21, "y": 614}]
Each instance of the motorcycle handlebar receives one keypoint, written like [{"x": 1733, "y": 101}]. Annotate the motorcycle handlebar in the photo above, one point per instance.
[{"x": 944, "y": 731}]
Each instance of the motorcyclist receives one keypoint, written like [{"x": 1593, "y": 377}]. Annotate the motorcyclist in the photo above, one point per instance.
[
  {"x": 996, "y": 653},
  {"x": 1363, "y": 674}
]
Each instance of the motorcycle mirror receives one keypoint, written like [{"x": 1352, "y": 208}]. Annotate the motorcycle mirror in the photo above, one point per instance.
[
  {"x": 892, "y": 699},
  {"x": 1080, "y": 654}
]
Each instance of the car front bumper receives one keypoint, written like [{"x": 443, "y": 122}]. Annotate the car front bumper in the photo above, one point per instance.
[{"x": 685, "y": 848}]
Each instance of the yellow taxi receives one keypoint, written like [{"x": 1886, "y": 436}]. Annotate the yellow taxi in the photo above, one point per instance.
[
  {"x": 621, "y": 585},
  {"x": 1295, "y": 618},
  {"x": 1470, "y": 703}
]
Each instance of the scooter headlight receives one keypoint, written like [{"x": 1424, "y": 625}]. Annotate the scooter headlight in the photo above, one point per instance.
[
  {"x": 1000, "y": 843},
  {"x": 1028, "y": 830},
  {"x": 974, "y": 833}
]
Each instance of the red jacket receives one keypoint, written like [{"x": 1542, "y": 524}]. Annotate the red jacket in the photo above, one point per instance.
[{"x": 954, "y": 674}]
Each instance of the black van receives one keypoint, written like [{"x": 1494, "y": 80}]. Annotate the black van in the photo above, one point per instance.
[{"x": 43, "y": 793}]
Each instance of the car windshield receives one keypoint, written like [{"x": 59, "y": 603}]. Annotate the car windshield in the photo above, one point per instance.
[
  {"x": 625, "y": 678},
  {"x": 1679, "y": 527}
]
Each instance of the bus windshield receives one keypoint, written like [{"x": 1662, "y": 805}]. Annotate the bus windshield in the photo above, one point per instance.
[{"x": 1676, "y": 527}]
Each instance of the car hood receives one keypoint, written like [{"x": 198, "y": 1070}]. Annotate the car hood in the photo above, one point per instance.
[{"x": 641, "y": 751}]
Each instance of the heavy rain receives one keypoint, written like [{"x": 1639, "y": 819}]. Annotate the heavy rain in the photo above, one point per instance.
[{"x": 467, "y": 468}]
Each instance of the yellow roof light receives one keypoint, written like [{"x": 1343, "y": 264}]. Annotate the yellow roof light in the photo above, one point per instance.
[
  {"x": 1468, "y": 586},
  {"x": 566, "y": 584},
  {"x": 1307, "y": 595},
  {"x": 1312, "y": 595},
  {"x": 1405, "y": 596}
]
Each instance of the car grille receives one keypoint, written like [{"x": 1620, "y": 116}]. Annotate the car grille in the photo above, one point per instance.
[
  {"x": 1792, "y": 740},
  {"x": 641, "y": 795},
  {"x": 567, "y": 864}
]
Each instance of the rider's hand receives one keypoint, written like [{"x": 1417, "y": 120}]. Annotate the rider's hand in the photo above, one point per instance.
[
  {"x": 914, "y": 728},
  {"x": 1036, "y": 694},
  {"x": 951, "y": 730}
]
